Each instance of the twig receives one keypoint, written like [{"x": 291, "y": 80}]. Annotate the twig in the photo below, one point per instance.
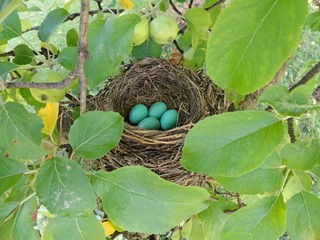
[
  {"x": 83, "y": 53},
  {"x": 190, "y": 4},
  {"x": 215, "y": 4},
  {"x": 99, "y": 4},
  {"x": 75, "y": 15},
  {"x": 291, "y": 130},
  {"x": 174, "y": 7},
  {"x": 61, "y": 84},
  {"x": 307, "y": 77}
]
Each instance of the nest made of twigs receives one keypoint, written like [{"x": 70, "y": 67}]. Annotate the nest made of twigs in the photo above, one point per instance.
[{"x": 146, "y": 82}]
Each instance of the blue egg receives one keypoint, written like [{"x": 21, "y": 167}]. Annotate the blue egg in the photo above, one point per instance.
[
  {"x": 137, "y": 113},
  {"x": 150, "y": 123},
  {"x": 157, "y": 109},
  {"x": 169, "y": 119}
]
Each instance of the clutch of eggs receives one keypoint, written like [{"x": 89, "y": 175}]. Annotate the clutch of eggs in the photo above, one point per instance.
[{"x": 155, "y": 118}]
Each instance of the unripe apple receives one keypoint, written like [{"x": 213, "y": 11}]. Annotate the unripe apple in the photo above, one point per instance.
[{"x": 163, "y": 29}]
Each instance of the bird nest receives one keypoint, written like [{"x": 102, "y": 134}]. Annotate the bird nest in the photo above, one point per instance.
[{"x": 147, "y": 82}]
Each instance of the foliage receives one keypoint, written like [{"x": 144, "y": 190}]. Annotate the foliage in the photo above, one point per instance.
[{"x": 262, "y": 168}]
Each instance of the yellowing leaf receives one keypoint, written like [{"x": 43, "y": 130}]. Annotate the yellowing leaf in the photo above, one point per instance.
[
  {"x": 108, "y": 228},
  {"x": 49, "y": 116},
  {"x": 127, "y": 4}
]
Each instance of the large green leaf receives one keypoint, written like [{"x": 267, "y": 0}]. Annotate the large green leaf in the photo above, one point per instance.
[
  {"x": 263, "y": 220},
  {"x": 299, "y": 181},
  {"x": 20, "y": 226},
  {"x": 64, "y": 189},
  {"x": 265, "y": 178},
  {"x": 84, "y": 228},
  {"x": 20, "y": 131},
  {"x": 301, "y": 155},
  {"x": 288, "y": 104},
  {"x": 10, "y": 173},
  {"x": 110, "y": 42},
  {"x": 231, "y": 144},
  {"x": 52, "y": 21},
  {"x": 214, "y": 217},
  {"x": 251, "y": 40},
  {"x": 138, "y": 200},
  {"x": 95, "y": 133},
  {"x": 303, "y": 214}
]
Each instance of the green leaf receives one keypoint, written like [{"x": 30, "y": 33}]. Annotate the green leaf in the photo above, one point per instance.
[
  {"x": 316, "y": 170},
  {"x": 5, "y": 68},
  {"x": 72, "y": 38},
  {"x": 148, "y": 49},
  {"x": 23, "y": 55},
  {"x": 301, "y": 155},
  {"x": 138, "y": 200},
  {"x": 21, "y": 190},
  {"x": 20, "y": 226},
  {"x": 10, "y": 173},
  {"x": 251, "y": 40},
  {"x": 299, "y": 181},
  {"x": 191, "y": 230},
  {"x": 64, "y": 189},
  {"x": 22, "y": 131},
  {"x": 288, "y": 104},
  {"x": 84, "y": 228},
  {"x": 200, "y": 20},
  {"x": 6, "y": 209},
  {"x": 7, "y": 7},
  {"x": 110, "y": 42},
  {"x": 95, "y": 133},
  {"x": 11, "y": 23},
  {"x": 214, "y": 217},
  {"x": 263, "y": 179},
  {"x": 303, "y": 214},
  {"x": 68, "y": 57},
  {"x": 265, "y": 218},
  {"x": 52, "y": 21},
  {"x": 313, "y": 21},
  {"x": 231, "y": 144}
]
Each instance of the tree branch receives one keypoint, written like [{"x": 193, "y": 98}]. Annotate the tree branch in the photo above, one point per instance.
[
  {"x": 307, "y": 77},
  {"x": 291, "y": 130},
  {"x": 190, "y": 4},
  {"x": 83, "y": 53},
  {"x": 75, "y": 15},
  {"x": 174, "y": 7},
  {"x": 215, "y": 4},
  {"x": 64, "y": 83}
]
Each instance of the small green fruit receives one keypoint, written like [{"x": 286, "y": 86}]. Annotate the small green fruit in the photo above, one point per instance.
[
  {"x": 163, "y": 29},
  {"x": 47, "y": 95}
]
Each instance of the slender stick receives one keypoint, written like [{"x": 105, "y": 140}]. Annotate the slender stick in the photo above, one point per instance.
[
  {"x": 83, "y": 53},
  {"x": 307, "y": 77}
]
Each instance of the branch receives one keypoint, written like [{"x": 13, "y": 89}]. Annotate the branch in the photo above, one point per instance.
[
  {"x": 215, "y": 4},
  {"x": 291, "y": 130},
  {"x": 75, "y": 15},
  {"x": 83, "y": 53},
  {"x": 174, "y": 7},
  {"x": 190, "y": 4},
  {"x": 307, "y": 77},
  {"x": 64, "y": 83}
]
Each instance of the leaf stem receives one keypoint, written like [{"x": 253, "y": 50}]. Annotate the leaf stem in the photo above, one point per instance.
[
  {"x": 286, "y": 175},
  {"x": 27, "y": 199}
]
